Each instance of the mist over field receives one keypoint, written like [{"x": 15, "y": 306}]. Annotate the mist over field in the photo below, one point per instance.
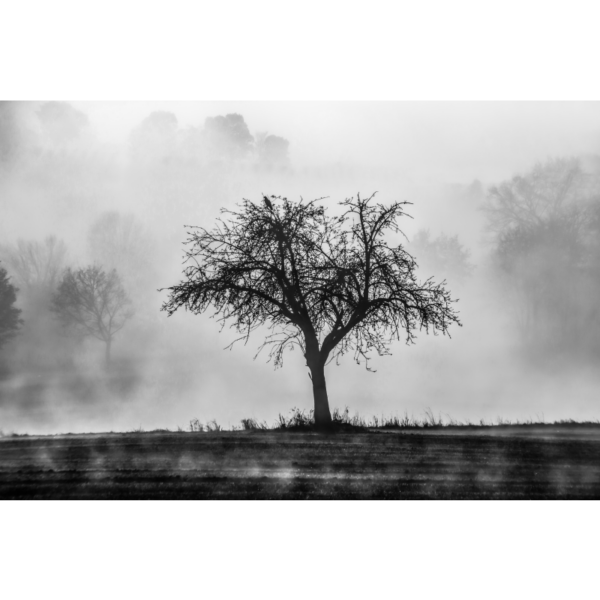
[{"x": 505, "y": 205}]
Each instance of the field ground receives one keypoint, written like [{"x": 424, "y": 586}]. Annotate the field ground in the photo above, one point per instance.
[{"x": 520, "y": 462}]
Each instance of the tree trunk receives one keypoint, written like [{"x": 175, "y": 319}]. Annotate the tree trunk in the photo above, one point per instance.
[
  {"x": 322, "y": 412},
  {"x": 107, "y": 352}
]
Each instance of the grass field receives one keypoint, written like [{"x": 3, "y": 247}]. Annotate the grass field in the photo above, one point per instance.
[{"x": 503, "y": 462}]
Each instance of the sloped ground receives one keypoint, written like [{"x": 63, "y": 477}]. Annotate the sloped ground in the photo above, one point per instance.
[{"x": 454, "y": 463}]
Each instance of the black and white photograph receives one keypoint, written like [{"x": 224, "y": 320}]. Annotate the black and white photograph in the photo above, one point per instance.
[
  {"x": 278, "y": 300},
  {"x": 284, "y": 276}
]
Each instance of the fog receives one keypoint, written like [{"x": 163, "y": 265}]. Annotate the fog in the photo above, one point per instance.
[{"x": 114, "y": 183}]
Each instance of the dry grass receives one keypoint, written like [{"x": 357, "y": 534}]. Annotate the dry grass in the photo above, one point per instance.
[{"x": 299, "y": 419}]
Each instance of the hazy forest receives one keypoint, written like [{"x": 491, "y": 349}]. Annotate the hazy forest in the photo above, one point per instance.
[{"x": 505, "y": 207}]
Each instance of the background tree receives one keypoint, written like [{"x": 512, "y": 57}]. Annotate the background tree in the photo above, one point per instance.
[
  {"x": 9, "y": 314},
  {"x": 228, "y": 137},
  {"x": 94, "y": 303},
  {"x": 542, "y": 266},
  {"x": 17, "y": 139},
  {"x": 36, "y": 268},
  {"x": 61, "y": 122},
  {"x": 35, "y": 265},
  {"x": 154, "y": 140},
  {"x": 272, "y": 150},
  {"x": 551, "y": 191},
  {"x": 118, "y": 240},
  {"x": 327, "y": 284},
  {"x": 543, "y": 226},
  {"x": 444, "y": 256}
]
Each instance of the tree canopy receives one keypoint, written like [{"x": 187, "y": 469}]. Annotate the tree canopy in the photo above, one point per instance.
[
  {"x": 328, "y": 284},
  {"x": 228, "y": 136}
]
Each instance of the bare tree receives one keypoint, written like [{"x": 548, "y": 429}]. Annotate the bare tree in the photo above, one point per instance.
[
  {"x": 118, "y": 240},
  {"x": 552, "y": 190},
  {"x": 36, "y": 266},
  {"x": 94, "y": 302},
  {"x": 329, "y": 284},
  {"x": 9, "y": 314}
]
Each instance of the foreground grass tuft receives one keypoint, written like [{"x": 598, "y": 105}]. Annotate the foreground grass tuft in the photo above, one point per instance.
[
  {"x": 303, "y": 420},
  {"x": 248, "y": 424},
  {"x": 299, "y": 419}
]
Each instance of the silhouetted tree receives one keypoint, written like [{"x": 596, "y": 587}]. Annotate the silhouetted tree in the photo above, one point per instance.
[
  {"x": 9, "y": 315},
  {"x": 94, "y": 303},
  {"x": 327, "y": 284}
]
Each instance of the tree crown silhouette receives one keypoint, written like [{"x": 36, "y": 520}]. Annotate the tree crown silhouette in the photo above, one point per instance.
[{"x": 328, "y": 284}]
